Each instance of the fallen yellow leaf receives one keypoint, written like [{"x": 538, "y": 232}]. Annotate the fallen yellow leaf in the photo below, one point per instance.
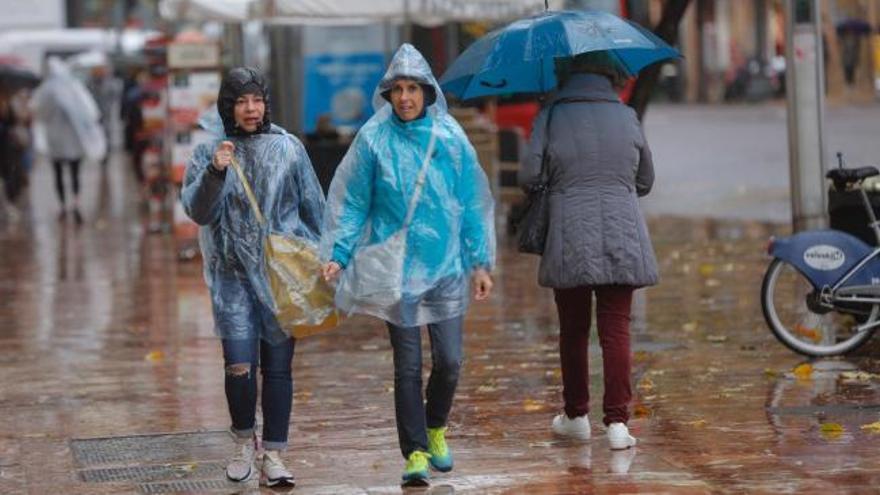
[
  {"x": 689, "y": 326},
  {"x": 804, "y": 371},
  {"x": 699, "y": 423},
  {"x": 707, "y": 269},
  {"x": 770, "y": 373},
  {"x": 530, "y": 405},
  {"x": 641, "y": 356},
  {"x": 811, "y": 333},
  {"x": 646, "y": 384},
  {"x": 872, "y": 427},
  {"x": 154, "y": 356},
  {"x": 831, "y": 430},
  {"x": 642, "y": 411}
]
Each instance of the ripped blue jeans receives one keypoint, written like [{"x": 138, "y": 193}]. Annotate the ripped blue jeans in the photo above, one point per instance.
[{"x": 242, "y": 358}]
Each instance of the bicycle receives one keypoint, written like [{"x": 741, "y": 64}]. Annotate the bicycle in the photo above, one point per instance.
[{"x": 821, "y": 292}]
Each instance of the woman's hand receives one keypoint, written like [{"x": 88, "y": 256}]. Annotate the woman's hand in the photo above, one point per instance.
[
  {"x": 223, "y": 155},
  {"x": 330, "y": 271},
  {"x": 482, "y": 282}
]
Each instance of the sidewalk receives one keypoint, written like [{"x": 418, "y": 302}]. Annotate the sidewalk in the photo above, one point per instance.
[{"x": 113, "y": 381}]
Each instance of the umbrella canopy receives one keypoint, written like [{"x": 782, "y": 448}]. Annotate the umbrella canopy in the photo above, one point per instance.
[
  {"x": 854, "y": 26},
  {"x": 520, "y": 57}
]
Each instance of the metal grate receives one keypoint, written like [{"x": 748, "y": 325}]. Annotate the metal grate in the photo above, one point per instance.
[
  {"x": 174, "y": 463},
  {"x": 147, "y": 474},
  {"x": 190, "y": 486},
  {"x": 150, "y": 449}
]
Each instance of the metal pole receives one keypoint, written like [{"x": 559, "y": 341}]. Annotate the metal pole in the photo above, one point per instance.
[
  {"x": 805, "y": 94},
  {"x": 407, "y": 22}
]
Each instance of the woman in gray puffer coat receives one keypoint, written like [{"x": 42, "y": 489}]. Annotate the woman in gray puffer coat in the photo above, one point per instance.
[{"x": 598, "y": 164}]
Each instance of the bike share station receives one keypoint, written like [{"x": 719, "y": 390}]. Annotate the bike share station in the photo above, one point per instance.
[{"x": 821, "y": 292}]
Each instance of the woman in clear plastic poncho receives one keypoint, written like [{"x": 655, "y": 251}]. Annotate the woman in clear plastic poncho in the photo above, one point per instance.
[
  {"x": 68, "y": 116},
  {"x": 446, "y": 229},
  {"x": 290, "y": 198}
]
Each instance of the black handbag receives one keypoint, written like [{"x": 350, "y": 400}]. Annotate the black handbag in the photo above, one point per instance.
[{"x": 534, "y": 220}]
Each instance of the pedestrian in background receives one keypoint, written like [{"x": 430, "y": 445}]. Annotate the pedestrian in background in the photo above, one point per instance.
[
  {"x": 597, "y": 243},
  {"x": 283, "y": 183},
  {"x": 409, "y": 228},
  {"x": 131, "y": 112},
  {"x": 107, "y": 92},
  {"x": 70, "y": 119},
  {"x": 10, "y": 165}
]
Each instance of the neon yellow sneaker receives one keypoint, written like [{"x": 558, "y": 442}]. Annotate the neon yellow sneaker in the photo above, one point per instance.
[
  {"x": 416, "y": 471},
  {"x": 441, "y": 457}
]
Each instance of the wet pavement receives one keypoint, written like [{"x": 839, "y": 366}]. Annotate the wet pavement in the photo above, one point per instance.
[{"x": 113, "y": 381}]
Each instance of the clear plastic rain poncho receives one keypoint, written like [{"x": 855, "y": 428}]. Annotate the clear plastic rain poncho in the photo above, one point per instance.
[
  {"x": 67, "y": 118},
  {"x": 290, "y": 197},
  {"x": 426, "y": 278}
]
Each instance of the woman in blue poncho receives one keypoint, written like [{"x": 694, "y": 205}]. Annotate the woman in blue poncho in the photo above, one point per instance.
[
  {"x": 409, "y": 228},
  {"x": 290, "y": 198}
]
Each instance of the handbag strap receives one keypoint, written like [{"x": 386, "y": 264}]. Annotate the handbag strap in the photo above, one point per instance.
[
  {"x": 248, "y": 192},
  {"x": 420, "y": 181},
  {"x": 545, "y": 159}
]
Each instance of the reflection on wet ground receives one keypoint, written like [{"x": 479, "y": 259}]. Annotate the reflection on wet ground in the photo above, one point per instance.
[{"x": 105, "y": 335}]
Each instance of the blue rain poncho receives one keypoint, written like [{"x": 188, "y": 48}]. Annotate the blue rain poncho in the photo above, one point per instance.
[
  {"x": 452, "y": 229},
  {"x": 231, "y": 239}
]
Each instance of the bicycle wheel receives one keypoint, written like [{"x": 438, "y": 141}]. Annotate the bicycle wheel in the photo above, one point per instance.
[{"x": 793, "y": 313}]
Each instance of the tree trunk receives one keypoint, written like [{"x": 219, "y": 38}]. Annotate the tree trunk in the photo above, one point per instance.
[{"x": 667, "y": 30}]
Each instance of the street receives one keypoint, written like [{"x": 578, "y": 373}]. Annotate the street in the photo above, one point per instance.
[
  {"x": 732, "y": 161},
  {"x": 113, "y": 380}
]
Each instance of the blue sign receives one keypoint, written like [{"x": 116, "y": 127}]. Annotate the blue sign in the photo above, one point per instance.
[{"x": 341, "y": 86}]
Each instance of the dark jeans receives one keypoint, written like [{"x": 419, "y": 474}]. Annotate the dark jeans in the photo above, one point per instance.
[
  {"x": 242, "y": 357},
  {"x": 613, "y": 304},
  {"x": 59, "y": 177},
  {"x": 413, "y": 415}
]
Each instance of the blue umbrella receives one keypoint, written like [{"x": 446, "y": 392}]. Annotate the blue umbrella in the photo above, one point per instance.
[{"x": 520, "y": 57}]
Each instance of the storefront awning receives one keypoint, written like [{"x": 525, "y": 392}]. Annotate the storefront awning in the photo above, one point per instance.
[
  {"x": 423, "y": 12},
  {"x": 206, "y": 10}
]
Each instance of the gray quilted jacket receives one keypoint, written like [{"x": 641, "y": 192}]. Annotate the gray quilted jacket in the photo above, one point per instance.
[{"x": 599, "y": 164}]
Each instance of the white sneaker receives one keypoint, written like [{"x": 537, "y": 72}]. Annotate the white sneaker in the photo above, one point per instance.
[
  {"x": 241, "y": 467},
  {"x": 619, "y": 437},
  {"x": 578, "y": 428},
  {"x": 274, "y": 473}
]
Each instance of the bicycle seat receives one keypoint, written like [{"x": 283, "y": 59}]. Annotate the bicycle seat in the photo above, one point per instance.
[{"x": 844, "y": 176}]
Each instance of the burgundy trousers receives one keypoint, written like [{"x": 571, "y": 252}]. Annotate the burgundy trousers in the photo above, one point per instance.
[{"x": 613, "y": 304}]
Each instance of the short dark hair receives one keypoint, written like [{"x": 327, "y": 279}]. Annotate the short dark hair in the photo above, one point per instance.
[{"x": 603, "y": 63}]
